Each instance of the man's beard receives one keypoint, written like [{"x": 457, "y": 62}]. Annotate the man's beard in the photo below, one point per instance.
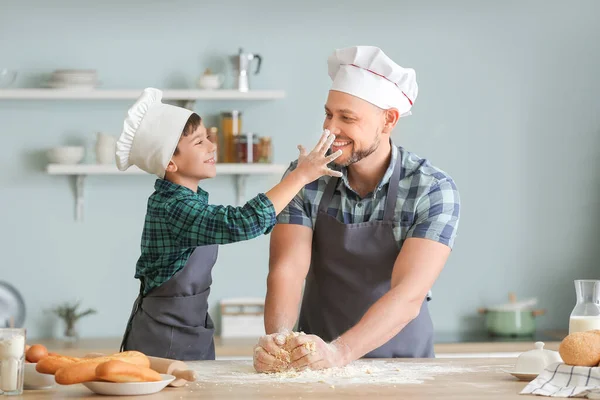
[{"x": 358, "y": 155}]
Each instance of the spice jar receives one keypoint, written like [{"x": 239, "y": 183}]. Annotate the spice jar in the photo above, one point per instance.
[
  {"x": 247, "y": 148},
  {"x": 231, "y": 127},
  {"x": 213, "y": 135},
  {"x": 265, "y": 150}
]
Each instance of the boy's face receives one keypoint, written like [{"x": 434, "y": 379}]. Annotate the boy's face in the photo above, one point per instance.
[{"x": 195, "y": 156}]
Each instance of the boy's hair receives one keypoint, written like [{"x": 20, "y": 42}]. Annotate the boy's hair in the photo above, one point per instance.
[{"x": 191, "y": 125}]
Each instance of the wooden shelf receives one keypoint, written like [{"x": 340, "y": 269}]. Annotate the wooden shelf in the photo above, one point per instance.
[
  {"x": 132, "y": 94},
  {"x": 240, "y": 173}
]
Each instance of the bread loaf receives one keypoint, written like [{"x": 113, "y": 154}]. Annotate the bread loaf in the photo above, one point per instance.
[
  {"x": 85, "y": 369},
  {"x": 120, "y": 371},
  {"x": 52, "y": 363},
  {"x": 581, "y": 349}
]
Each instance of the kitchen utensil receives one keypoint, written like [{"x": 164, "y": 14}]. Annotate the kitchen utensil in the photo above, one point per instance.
[
  {"x": 12, "y": 306},
  {"x": 178, "y": 369},
  {"x": 512, "y": 319},
  {"x": 524, "y": 377},
  {"x": 73, "y": 79},
  {"x": 7, "y": 77},
  {"x": 535, "y": 361},
  {"x": 66, "y": 154},
  {"x": 586, "y": 313},
  {"x": 105, "y": 148},
  {"x": 210, "y": 81},
  {"x": 241, "y": 63},
  {"x": 129, "y": 388}
]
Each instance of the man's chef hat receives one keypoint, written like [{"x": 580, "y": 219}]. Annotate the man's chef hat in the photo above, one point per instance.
[
  {"x": 150, "y": 134},
  {"x": 366, "y": 72}
]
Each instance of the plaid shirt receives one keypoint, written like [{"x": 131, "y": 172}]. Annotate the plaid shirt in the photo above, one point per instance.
[
  {"x": 428, "y": 203},
  {"x": 178, "y": 220}
]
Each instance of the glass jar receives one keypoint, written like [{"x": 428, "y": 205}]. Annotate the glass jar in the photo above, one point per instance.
[
  {"x": 231, "y": 126},
  {"x": 265, "y": 152},
  {"x": 247, "y": 148},
  {"x": 586, "y": 314}
]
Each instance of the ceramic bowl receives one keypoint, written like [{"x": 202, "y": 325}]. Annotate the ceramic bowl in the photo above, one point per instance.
[
  {"x": 66, "y": 154},
  {"x": 34, "y": 380}
]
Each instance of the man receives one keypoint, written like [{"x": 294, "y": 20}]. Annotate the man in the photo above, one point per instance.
[{"x": 369, "y": 244}]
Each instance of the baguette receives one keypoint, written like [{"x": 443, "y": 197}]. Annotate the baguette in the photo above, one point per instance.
[
  {"x": 52, "y": 363},
  {"x": 581, "y": 349},
  {"x": 85, "y": 370},
  {"x": 121, "y": 372}
]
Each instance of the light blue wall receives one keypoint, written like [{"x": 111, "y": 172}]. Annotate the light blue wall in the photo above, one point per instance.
[{"x": 509, "y": 105}]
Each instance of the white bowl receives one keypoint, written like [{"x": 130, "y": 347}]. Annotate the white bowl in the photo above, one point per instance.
[
  {"x": 66, "y": 154},
  {"x": 210, "y": 82},
  {"x": 34, "y": 380}
]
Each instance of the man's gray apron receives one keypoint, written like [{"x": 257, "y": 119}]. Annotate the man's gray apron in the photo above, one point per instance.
[
  {"x": 351, "y": 268},
  {"x": 172, "y": 320}
]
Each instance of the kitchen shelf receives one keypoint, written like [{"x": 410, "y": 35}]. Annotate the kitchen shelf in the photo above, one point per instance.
[
  {"x": 186, "y": 97},
  {"x": 240, "y": 173}
]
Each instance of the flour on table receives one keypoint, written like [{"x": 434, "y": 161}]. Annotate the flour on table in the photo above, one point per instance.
[{"x": 359, "y": 372}]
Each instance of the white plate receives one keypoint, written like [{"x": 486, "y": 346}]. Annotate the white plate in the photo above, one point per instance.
[
  {"x": 129, "y": 389},
  {"x": 524, "y": 377},
  {"x": 72, "y": 86}
]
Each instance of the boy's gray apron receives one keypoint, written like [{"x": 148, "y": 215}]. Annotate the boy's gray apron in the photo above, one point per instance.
[
  {"x": 172, "y": 320},
  {"x": 351, "y": 268}
]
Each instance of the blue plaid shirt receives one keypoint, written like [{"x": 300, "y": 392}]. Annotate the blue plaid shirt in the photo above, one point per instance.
[{"x": 428, "y": 204}]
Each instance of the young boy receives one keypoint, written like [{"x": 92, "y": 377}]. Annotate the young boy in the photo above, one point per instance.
[{"x": 182, "y": 231}]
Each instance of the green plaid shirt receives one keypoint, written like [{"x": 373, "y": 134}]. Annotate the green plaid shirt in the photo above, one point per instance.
[{"x": 178, "y": 220}]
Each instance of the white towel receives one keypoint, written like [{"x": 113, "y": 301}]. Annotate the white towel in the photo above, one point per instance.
[{"x": 561, "y": 380}]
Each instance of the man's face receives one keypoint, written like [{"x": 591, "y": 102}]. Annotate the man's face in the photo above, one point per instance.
[{"x": 357, "y": 125}]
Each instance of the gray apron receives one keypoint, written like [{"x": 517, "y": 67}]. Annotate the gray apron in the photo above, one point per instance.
[
  {"x": 172, "y": 320},
  {"x": 351, "y": 268}
]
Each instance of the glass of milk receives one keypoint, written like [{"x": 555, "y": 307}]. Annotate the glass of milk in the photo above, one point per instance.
[
  {"x": 12, "y": 359},
  {"x": 586, "y": 314}
]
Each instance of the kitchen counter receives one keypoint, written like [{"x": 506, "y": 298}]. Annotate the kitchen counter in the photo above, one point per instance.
[
  {"x": 431, "y": 379},
  {"x": 445, "y": 343}
]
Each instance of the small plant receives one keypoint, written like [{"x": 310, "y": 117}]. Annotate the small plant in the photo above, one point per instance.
[{"x": 69, "y": 314}]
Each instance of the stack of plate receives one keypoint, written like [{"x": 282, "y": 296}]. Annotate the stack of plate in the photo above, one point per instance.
[{"x": 73, "y": 79}]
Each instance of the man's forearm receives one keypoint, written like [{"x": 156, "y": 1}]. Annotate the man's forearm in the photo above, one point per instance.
[
  {"x": 388, "y": 316},
  {"x": 282, "y": 302}
]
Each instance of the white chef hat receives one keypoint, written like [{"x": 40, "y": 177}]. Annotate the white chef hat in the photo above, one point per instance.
[
  {"x": 366, "y": 72},
  {"x": 150, "y": 134}
]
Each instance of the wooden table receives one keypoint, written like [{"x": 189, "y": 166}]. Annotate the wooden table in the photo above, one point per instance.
[
  {"x": 244, "y": 347},
  {"x": 484, "y": 380}
]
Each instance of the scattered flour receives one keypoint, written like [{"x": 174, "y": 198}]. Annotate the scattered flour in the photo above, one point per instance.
[{"x": 359, "y": 372}]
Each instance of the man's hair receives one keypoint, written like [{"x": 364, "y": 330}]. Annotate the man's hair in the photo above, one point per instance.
[{"x": 191, "y": 125}]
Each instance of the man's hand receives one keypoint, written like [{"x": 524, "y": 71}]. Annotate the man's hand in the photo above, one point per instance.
[
  {"x": 310, "y": 351},
  {"x": 269, "y": 356}
]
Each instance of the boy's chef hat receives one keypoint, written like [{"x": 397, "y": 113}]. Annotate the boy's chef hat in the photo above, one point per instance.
[
  {"x": 366, "y": 72},
  {"x": 150, "y": 134}
]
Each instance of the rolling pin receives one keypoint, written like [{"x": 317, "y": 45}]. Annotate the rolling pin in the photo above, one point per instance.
[{"x": 178, "y": 369}]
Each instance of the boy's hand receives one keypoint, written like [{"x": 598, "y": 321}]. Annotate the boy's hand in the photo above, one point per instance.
[{"x": 313, "y": 165}]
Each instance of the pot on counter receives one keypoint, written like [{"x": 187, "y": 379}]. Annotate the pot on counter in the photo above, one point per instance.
[{"x": 512, "y": 319}]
